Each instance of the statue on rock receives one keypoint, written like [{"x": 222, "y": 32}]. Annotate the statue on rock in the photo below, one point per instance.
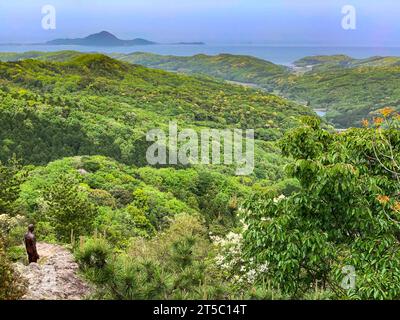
[{"x": 30, "y": 244}]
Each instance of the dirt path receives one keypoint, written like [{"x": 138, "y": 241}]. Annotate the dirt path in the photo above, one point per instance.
[{"x": 54, "y": 277}]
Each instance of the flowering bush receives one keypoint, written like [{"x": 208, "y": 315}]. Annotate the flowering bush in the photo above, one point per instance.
[
  {"x": 230, "y": 259},
  {"x": 11, "y": 228}
]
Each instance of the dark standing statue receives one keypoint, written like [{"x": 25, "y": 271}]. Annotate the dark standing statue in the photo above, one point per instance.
[{"x": 30, "y": 244}]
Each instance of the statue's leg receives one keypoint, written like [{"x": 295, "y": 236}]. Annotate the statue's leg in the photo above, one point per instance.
[{"x": 32, "y": 258}]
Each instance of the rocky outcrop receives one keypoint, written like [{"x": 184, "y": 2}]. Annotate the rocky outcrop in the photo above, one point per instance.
[{"x": 54, "y": 277}]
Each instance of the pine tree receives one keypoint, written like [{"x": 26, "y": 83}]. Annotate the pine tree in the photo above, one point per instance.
[{"x": 69, "y": 208}]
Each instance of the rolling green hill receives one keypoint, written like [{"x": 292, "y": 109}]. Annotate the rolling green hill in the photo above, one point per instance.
[
  {"x": 92, "y": 104},
  {"x": 77, "y": 124},
  {"x": 322, "y": 60},
  {"x": 72, "y": 161},
  {"x": 346, "y": 62},
  {"x": 349, "y": 89},
  {"x": 58, "y": 56},
  {"x": 245, "y": 69}
]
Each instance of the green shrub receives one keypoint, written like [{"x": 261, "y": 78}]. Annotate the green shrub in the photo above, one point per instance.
[
  {"x": 93, "y": 257},
  {"x": 90, "y": 166},
  {"x": 12, "y": 229},
  {"x": 45, "y": 231},
  {"x": 102, "y": 198},
  {"x": 68, "y": 208},
  {"x": 17, "y": 254},
  {"x": 11, "y": 177},
  {"x": 173, "y": 265},
  {"x": 344, "y": 215},
  {"x": 137, "y": 279},
  {"x": 158, "y": 207},
  {"x": 121, "y": 225},
  {"x": 12, "y": 286},
  {"x": 94, "y": 253}
]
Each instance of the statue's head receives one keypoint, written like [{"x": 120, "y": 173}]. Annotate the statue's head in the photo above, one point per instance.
[{"x": 31, "y": 228}]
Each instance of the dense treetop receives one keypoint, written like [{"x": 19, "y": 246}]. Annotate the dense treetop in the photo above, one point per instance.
[
  {"x": 350, "y": 89},
  {"x": 72, "y": 162},
  {"x": 92, "y": 104}
]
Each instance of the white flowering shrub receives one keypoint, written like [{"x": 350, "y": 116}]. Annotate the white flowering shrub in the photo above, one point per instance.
[
  {"x": 230, "y": 260},
  {"x": 7, "y": 223}
]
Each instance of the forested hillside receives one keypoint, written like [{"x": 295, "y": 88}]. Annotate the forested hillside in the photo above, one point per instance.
[
  {"x": 72, "y": 161},
  {"x": 349, "y": 89},
  {"x": 244, "y": 69},
  {"x": 346, "y": 62},
  {"x": 93, "y": 104}
]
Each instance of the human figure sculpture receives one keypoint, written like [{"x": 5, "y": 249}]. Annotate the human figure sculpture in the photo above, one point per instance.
[{"x": 30, "y": 244}]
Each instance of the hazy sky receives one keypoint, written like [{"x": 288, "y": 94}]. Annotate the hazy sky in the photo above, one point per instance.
[{"x": 291, "y": 22}]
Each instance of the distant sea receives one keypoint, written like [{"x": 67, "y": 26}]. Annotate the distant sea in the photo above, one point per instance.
[{"x": 276, "y": 54}]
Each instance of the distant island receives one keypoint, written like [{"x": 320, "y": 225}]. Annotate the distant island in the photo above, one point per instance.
[
  {"x": 107, "y": 39},
  {"x": 103, "y": 38}
]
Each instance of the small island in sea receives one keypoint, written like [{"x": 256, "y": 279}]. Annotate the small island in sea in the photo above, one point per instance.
[{"x": 104, "y": 39}]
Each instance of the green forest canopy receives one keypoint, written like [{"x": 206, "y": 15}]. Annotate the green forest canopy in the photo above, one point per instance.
[
  {"x": 317, "y": 201},
  {"x": 350, "y": 89}
]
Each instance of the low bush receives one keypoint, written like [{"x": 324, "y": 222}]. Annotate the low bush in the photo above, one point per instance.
[
  {"x": 12, "y": 286},
  {"x": 94, "y": 257}
]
